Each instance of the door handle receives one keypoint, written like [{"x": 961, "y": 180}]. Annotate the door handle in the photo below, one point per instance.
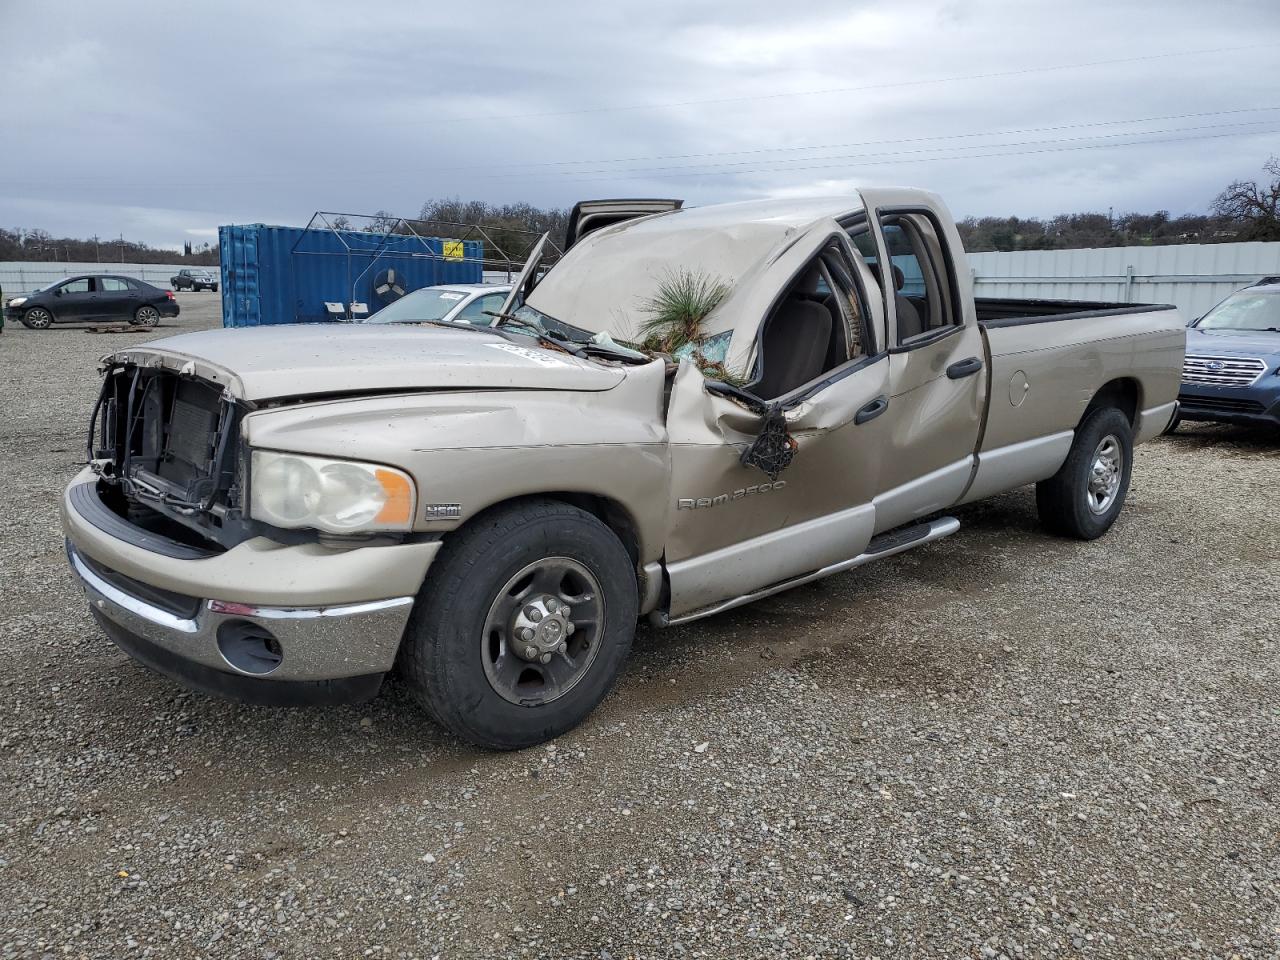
[
  {"x": 872, "y": 410},
  {"x": 964, "y": 368}
]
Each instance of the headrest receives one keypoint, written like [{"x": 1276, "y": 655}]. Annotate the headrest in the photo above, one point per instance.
[{"x": 899, "y": 278}]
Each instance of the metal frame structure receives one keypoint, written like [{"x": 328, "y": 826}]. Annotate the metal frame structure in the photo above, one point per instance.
[{"x": 404, "y": 228}]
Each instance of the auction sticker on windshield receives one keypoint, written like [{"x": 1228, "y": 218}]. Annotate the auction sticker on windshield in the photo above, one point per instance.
[{"x": 537, "y": 356}]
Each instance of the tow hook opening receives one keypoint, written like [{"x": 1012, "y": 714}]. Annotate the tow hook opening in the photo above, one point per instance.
[{"x": 249, "y": 647}]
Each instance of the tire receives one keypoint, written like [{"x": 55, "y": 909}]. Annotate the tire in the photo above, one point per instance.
[
  {"x": 1083, "y": 499},
  {"x": 146, "y": 316},
  {"x": 459, "y": 656},
  {"x": 214, "y": 288},
  {"x": 37, "y": 318}
]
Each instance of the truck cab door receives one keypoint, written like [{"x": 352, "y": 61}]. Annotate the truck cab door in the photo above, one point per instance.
[
  {"x": 732, "y": 527},
  {"x": 589, "y": 215},
  {"x": 937, "y": 364}
]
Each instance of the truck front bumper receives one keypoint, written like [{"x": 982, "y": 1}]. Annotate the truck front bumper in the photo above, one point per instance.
[{"x": 251, "y": 623}]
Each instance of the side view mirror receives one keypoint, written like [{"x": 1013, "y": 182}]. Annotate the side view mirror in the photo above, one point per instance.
[{"x": 58, "y": 292}]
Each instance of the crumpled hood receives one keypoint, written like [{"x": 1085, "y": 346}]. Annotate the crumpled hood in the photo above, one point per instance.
[
  {"x": 1244, "y": 344},
  {"x": 264, "y": 363}
]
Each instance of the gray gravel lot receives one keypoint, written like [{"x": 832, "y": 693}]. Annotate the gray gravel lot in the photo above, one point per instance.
[{"x": 1000, "y": 745}]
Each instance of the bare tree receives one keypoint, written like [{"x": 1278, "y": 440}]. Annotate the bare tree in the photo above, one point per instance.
[{"x": 1254, "y": 206}]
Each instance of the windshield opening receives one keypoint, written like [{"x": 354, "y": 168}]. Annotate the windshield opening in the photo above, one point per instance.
[
  {"x": 420, "y": 306},
  {"x": 1244, "y": 311}
]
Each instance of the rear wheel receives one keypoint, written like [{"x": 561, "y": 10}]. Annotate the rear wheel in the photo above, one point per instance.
[
  {"x": 1084, "y": 497},
  {"x": 37, "y": 318},
  {"x": 146, "y": 316},
  {"x": 523, "y": 624}
]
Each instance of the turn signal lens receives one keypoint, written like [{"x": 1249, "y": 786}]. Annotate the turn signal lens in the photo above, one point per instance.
[{"x": 398, "y": 489}]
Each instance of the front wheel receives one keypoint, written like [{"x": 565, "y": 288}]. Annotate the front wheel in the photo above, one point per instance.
[
  {"x": 523, "y": 625},
  {"x": 146, "y": 316},
  {"x": 37, "y": 318},
  {"x": 1084, "y": 497}
]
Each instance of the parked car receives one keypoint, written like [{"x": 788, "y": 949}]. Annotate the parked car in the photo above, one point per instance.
[
  {"x": 1231, "y": 373},
  {"x": 194, "y": 280},
  {"x": 97, "y": 297},
  {"x": 284, "y": 514},
  {"x": 471, "y": 303}
]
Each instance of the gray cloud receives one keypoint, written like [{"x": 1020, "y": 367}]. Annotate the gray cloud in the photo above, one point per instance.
[{"x": 162, "y": 122}]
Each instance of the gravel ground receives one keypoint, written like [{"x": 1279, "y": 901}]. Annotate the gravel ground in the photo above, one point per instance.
[{"x": 999, "y": 745}]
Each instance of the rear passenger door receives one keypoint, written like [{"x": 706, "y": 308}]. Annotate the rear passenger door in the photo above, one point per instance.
[
  {"x": 114, "y": 298},
  {"x": 937, "y": 375}
]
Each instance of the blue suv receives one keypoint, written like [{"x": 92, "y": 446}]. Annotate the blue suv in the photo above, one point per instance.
[{"x": 1232, "y": 369}]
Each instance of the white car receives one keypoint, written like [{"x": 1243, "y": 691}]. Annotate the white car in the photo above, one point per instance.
[{"x": 448, "y": 303}]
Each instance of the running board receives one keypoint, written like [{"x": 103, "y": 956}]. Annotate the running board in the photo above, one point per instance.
[{"x": 884, "y": 545}]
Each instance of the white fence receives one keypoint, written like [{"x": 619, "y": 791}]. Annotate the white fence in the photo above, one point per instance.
[
  {"x": 1193, "y": 276},
  {"x": 23, "y": 276}
]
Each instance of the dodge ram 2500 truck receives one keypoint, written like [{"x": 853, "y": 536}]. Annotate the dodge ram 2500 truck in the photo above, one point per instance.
[{"x": 286, "y": 514}]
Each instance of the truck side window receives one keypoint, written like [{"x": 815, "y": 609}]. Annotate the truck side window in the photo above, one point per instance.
[
  {"x": 922, "y": 279},
  {"x": 819, "y": 324}
]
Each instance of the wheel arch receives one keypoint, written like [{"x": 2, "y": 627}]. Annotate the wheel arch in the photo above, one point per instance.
[
  {"x": 609, "y": 511},
  {"x": 1122, "y": 393}
]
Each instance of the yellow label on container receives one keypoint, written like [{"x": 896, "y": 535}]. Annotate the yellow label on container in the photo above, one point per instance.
[{"x": 453, "y": 250}]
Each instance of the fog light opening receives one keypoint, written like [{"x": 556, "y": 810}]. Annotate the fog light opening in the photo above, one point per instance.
[{"x": 249, "y": 647}]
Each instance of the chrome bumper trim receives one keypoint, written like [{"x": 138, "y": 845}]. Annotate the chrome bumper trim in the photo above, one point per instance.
[
  {"x": 319, "y": 643},
  {"x": 139, "y": 608}
]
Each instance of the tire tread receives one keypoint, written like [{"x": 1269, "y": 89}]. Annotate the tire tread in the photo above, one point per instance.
[
  {"x": 1059, "y": 499},
  {"x": 423, "y": 656}
]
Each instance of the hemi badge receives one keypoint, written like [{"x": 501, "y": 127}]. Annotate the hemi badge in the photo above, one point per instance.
[{"x": 442, "y": 511}]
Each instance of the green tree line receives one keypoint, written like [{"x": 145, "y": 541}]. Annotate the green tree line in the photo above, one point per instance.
[{"x": 18, "y": 243}]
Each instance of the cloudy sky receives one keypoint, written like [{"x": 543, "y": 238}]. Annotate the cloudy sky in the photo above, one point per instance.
[{"x": 161, "y": 121}]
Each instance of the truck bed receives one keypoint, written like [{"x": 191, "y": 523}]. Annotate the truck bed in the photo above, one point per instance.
[
  {"x": 1064, "y": 366},
  {"x": 1009, "y": 312}
]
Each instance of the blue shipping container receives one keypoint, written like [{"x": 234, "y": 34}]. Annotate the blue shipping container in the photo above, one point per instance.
[{"x": 287, "y": 274}]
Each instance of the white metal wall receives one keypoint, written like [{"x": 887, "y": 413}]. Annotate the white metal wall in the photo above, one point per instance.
[
  {"x": 23, "y": 276},
  {"x": 1194, "y": 276}
]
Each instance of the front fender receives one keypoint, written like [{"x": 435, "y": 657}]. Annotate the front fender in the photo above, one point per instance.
[{"x": 475, "y": 449}]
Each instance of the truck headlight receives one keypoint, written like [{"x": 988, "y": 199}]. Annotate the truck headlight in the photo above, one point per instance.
[
  {"x": 17, "y": 301},
  {"x": 337, "y": 496}
]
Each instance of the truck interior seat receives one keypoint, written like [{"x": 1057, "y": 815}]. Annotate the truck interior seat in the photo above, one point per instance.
[
  {"x": 909, "y": 320},
  {"x": 793, "y": 347}
]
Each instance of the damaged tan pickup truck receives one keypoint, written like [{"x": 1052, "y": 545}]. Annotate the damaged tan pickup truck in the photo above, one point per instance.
[{"x": 287, "y": 514}]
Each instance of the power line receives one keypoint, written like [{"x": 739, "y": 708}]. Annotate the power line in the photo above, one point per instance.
[
  {"x": 862, "y": 143},
  {"x": 528, "y": 171},
  {"x": 974, "y": 156},
  {"x": 725, "y": 167},
  {"x": 715, "y": 101}
]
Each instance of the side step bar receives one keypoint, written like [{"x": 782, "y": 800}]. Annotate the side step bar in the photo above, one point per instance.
[{"x": 884, "y": 545}]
